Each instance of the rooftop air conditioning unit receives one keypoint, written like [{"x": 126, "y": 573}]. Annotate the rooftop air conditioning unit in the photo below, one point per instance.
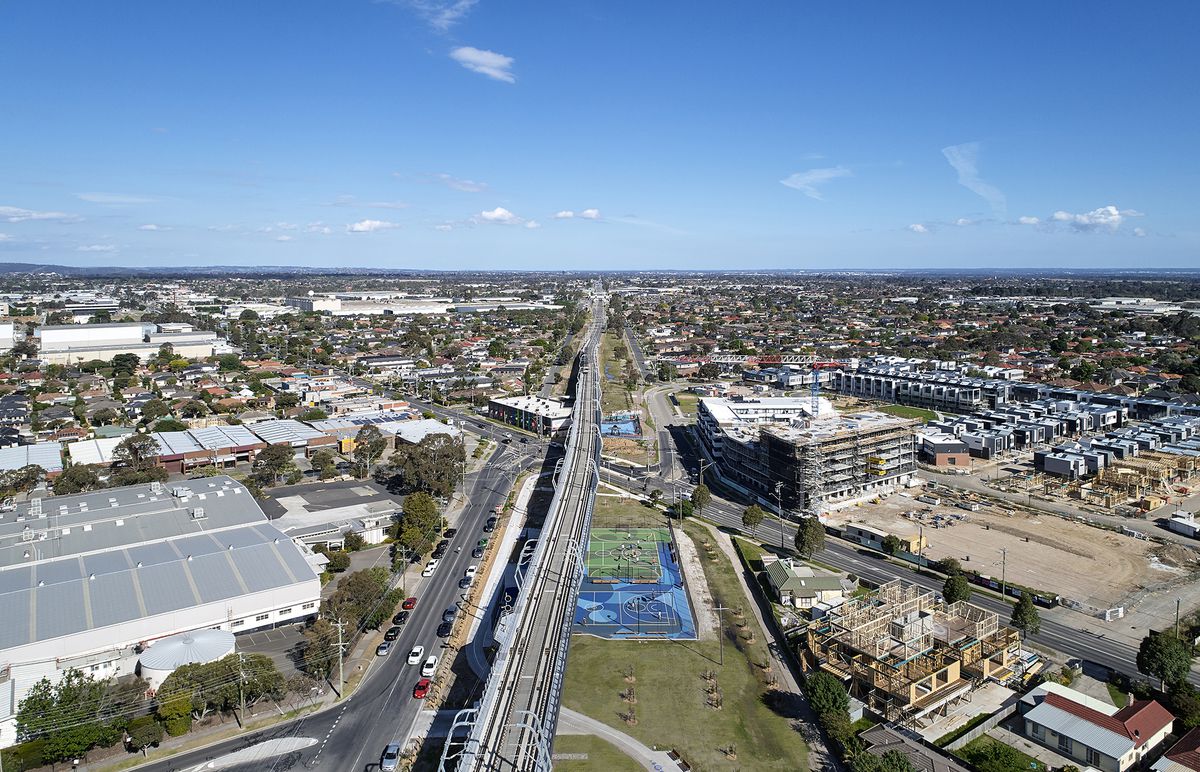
[{"x": 198, "y": 513}]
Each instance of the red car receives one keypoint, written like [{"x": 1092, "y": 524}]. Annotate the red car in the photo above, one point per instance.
[
  {"x": 421, "y": 690},
  {"x": 409, "y": 604}
]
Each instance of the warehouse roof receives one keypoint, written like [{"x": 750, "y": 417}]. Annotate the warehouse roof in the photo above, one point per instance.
[
  {"x": 285, "y": 430},
  {"x": 97, "y": 451},
  {"x": 221, "y": 437},
  {"x": 47, "y": 455},
  {"x": 97, "y": 559}
]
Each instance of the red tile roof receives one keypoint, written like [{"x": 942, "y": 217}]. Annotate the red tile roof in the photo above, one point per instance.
[
  {"x": 1138, "y": 721},
  {"x": 1186, "y": 752}
]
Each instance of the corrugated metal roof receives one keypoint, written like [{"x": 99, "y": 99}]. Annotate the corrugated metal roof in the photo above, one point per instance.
[
  {"x": 221, "y": 437},
  {"x": 1080, "y": 730},
  {"x": 98, "y": 451},
  {"x": 176, "y": 443},
  {"x": 47, "y": 455},
  {"x": 285, "y": 430}
]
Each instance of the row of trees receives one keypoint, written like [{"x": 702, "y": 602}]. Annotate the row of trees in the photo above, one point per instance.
[
  {"x": 829, "y": 701},
  {"x": 361, "y": 601},
  {"x": 432, "y": 466}
]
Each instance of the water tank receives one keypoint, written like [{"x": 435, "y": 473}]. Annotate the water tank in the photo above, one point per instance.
[{"x": 167, "y": 654}]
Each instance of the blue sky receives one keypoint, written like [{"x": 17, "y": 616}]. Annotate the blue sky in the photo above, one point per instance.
[{"x": 458, "y": 134}]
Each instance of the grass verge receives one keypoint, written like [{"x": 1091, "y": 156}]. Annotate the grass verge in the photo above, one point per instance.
[
  {"x": 904, "y": 411},
  {"x": 601, "y": 755}
]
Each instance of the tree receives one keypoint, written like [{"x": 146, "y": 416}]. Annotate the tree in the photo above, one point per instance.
[
  {"x": 892, "y": 761},
  {"x": 434, "y": 466},
  {"x": 322, "y": 461},
  {"x": 125, "y": 364},
  {"x": 193, "y": 408},
  {"x": 826, "y": 694},
  {"x": 54, "y": 712},
  {"x": 956, "y": 588},
  {"x": 105, "y": 416},
  {"x": 891, "y": 544},
  {"x": 313, "y": 414},
  {"x": 353, "y": 542},
  {"x": 338, "y": 562},
  {"x": 143, "y": 732},
  {"x": 1184, "y": 702},
  {"x": 155, "y": 408},
  {"x": 137, "y": 452},
  {"x": 810, "y": 537},
  {"x": 709, "y": 371},
  {"x": 170, "y": 425},
  {"x": 419, "y": 522},
  {"x": 701, "y": 496},
  {"x": 948, "y": 566},
  {"x": 752, "y": 517},
  {"x": 1025, "y": 615},
  {"x": 320, "y": 648},
  {"x": 78, "y": 478},
  {"x": 369, "y": 445},
  {"x": 273, "y": 462},
  {"x": 684, "y": 508},
  {"x": 21, "y": 480},
  {"x": 1165, "y": 657}
]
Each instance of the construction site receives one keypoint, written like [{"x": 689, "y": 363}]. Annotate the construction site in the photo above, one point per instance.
[
  {"x": 1131, "y": 485},
  {"x": 807, "y": 458},
  {"x": 907, "y": 655}
]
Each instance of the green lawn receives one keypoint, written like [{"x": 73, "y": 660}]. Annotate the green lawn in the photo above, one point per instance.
[
  {"x": 601, "y": 755},
  {"x": 1119, "y": 696},
  {"x": 669, "y": 685},
  {"x": 903, "y": 411},
  {"x": 987, "y": 754},
  {"x": 687, "y": 402},
  {"x": 612, "y": 387},
  {"x": 615, "y": 512}
]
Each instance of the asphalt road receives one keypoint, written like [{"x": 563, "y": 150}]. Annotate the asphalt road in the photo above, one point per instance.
[{"x": 352, "y": 736}]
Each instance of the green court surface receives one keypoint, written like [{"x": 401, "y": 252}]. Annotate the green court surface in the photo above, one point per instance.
[{"x": 625, "y": 554}]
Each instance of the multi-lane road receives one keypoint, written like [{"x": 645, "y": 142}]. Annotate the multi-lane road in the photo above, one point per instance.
[{"x": 353, "y": 734}]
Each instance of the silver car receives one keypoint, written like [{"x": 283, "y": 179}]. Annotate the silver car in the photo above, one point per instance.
[{"x": 390, "y": 760}]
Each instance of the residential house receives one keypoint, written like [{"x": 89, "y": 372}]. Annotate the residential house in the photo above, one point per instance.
[{"x": 798, "y": 585}]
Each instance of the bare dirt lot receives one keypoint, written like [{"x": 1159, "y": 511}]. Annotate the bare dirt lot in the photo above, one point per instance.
[{"x": 1097, "y": 568}]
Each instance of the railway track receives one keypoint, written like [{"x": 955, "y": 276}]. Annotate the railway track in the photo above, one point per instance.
[{"x": 513, "y": 725}]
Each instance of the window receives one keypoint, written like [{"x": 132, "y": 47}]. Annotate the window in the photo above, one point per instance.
[
  {"x": 1064, "y": 743},
  {"x": 262, "y": 617},
  {"x": 307, "y": 606},
  {"x": 284, "y": 612},
  {"x": 1036, "y": 730},
  {"x": 237, "y": 623},
  {"x": 1093, "y": 757}
]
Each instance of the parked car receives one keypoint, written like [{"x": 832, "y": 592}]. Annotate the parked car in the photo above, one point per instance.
[
  {"x": 392, "y": 633},
  {"x": 482, "y": 542},
  {"x": 471, "y": 571},
  {"x": 421, "y": 691},
  {"x": 409, "y": 604},
  {"x": 400, "y": 618},
  {"x": 449, "y": 533},
  {"x": 429, "y": 569},
  {"x": 449, "y": 614},
  {"x": 430, "y": 666},
  {"x": 383, "y": 649},
  {"x": 465, "y": 582},
  {"x": 477, "y": 552},
  {"x": 414, "y": 656},
  {"x": 390, "y": 760},
  {"x": 444, "y": 629}
]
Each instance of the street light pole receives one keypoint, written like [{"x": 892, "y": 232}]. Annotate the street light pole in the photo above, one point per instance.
[
  {"x": 779, "y": 511},
  {"x": 1004, "y": 571}
]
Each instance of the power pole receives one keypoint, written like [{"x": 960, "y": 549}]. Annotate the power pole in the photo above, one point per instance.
[
  {"x": 1176, "y": 625},
  {"x": 341, "y": 656},
  {"x": 1004, "y": 572},
  {"x": 242, "y": 687},
  {"x": 779, "y": 512}
]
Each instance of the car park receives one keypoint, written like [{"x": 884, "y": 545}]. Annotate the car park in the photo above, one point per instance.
[
  {"x": 430, "y": 666},
  {"x": 390, "y": 760},
  {"x": 421, "y": 690},
  {"x": 444, "y": 629},
  {"x": 409, "y": 604},
  {"x": 414, "y": 656},
  {"x": 383, "y": 649},
  {"x": 392, "y": 633},
  {"x": 400, "y": 618}
]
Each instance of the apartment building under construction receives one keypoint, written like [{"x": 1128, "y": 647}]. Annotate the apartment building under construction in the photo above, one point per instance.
[
  {"x": 906, "y": 654},
  {"x": 808, "y": 463}
]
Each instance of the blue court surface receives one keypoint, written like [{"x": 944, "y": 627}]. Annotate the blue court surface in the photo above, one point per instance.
[
  {"x": 641, "y": 610},
  {"x": 621, "y": 425}
]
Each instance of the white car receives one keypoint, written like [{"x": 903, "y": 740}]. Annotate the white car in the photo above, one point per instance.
[
  {"x": 429, "y": 569},
  {"x": 470, "y": 574},
  {"x": 430, "y": 666},
  {"x": 414, "y": 656}
]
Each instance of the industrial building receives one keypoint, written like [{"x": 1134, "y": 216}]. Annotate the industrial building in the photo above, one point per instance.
[
  {"x": 90, "y": 581},
  {"x": 315, "y": 303},
  {"x": 531, "y": 413},
  {"x": 70, "y": 344},
  {"x": 775, "y": 450},
  {"x": 907, "y": 655}
]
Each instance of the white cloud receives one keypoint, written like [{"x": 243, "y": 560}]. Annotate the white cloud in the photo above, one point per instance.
[
  {"x": 1105, "y": 218},
  {"x": 962, "y": 222},
  {"x": 1028, "y": 220},
  {"x": 565, "y": 214},
  {"x": 443, "y": 227},
  {"x": 283, "y": 238},
  {"x": 5, "y": 237},
  {"x": 466, "y": 186},
  {"x": 1139, "y": 232},
  {"x": 114, "y": 199},
  {"x": 96, "y": 248},
  {"x": 151, "y": 227},
  {"x": 499, "y": 215},
  {"x": 441, "y": 14},
  {"x": 318, "y": 227},
  {"x": 533, "y": 225},
  {"x": 808, "y": 182},
  {"x": 590, "y": 214},
  {"x": 370, "y": 226},
  {"x": 17, "y": 214},
  {"x": 918, "y": 228},
  {"x": 493, "y": 65},
  {"x": 964, "y": 158}
]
